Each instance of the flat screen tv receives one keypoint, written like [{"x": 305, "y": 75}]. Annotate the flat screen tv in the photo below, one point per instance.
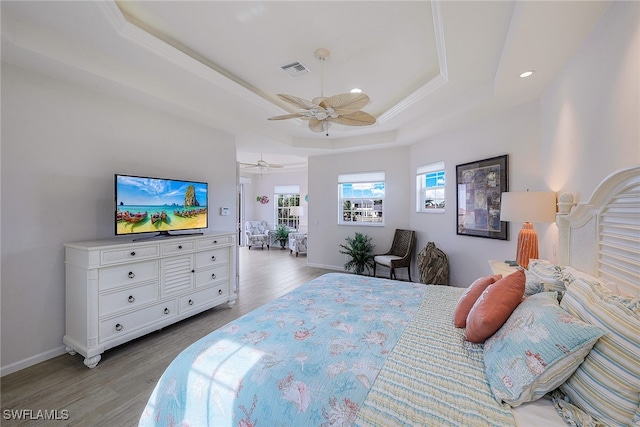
[{"x": 160, "y": 205}]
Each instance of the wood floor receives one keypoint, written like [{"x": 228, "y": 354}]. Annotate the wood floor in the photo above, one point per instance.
[{"x": 115, "y": 392}]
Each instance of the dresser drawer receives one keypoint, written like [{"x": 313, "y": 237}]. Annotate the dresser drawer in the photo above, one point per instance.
[
  {"x": 122, "y": 275},
  {"x": 197, "y": 299},
  {"x": 114, "y": 302},
  {"x": 171, "y": 248},
  {"x": 212, "y": 275},
  {"x": 122, "y": 325},
  {"x": 116, "y": 256},
  {"x": 216, "y": 256},
  {"x": 212, "y": 242}
]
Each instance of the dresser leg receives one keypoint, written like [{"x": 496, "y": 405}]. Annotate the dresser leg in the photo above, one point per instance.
[
  {"x": 92, "y": 362},
  {"x": 70, "y": 350}
]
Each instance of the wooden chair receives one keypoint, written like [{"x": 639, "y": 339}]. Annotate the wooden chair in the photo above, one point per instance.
[{"x": 404, "y": 242}]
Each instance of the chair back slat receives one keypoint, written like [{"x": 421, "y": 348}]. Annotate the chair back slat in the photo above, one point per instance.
[{"x": 403, "y": 242}]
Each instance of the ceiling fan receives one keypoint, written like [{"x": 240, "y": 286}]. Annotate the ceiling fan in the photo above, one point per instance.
[
  {"x": 261, "y": 164},
  {"x": 321, "y": 112}
]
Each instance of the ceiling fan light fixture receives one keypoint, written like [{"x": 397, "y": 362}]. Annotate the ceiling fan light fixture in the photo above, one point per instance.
[{"x": 356, "y": 90}]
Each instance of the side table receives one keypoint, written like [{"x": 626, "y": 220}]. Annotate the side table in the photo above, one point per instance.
[{"x": 501, "y": 267}]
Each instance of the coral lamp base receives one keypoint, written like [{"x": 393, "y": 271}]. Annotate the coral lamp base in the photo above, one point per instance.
[{"x": 527, "y": 245}]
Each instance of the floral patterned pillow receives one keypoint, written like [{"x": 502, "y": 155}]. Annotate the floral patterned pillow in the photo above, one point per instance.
[
  {"x": 542, "y": 276},
  {"x": 536, "y": 350}
]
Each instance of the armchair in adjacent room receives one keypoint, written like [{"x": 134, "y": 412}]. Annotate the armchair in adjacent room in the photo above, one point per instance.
[
  {"x": 257, "y": 233},
  {"x": 404, "y": 242},
  {"x": 298, "y": 243}
]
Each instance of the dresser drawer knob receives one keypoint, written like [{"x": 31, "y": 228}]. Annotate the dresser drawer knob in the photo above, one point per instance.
[
  {"x": 213, "y": 258},
  {"x": 131, "y": 298},
  {"x": 131, "y": 275},
  {"x": 190, "y": 302},
  {"x": 118, "y": 327},
  {"x": 213, "y": 276},
  {"x": 219, "y": 291},
  {"x": 215, "y": 242},
  {"x": 193, "y": 271},
  {"x": 180, "y": 247},
  {"x": 133, "y": 253},
  {"x": 166, "y": 311}
]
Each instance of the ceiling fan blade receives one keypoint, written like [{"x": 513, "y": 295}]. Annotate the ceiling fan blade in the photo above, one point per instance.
[
  {"x": 249, "y": 165},
  {"x": 287, "y": 116},
  {"x": 318, "y": 100},
  {"x": 264, "y": 165},
  {"x": 345, "y": 103},
  {"x": 318, "y": 125},
  {"x": 358, "y": 118},
  {"x": 298, "y": 102}
]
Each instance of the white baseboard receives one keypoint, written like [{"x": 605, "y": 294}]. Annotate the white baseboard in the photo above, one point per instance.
[
  {"x": 326, "y": 267},
  {"x": 30, "y": 361}
]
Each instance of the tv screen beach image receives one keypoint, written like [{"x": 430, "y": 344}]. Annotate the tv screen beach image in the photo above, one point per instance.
[{"x": 159, "y": 205}]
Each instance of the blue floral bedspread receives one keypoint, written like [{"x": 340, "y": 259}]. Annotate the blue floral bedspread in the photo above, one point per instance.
[{"x": 308, "y": 358}]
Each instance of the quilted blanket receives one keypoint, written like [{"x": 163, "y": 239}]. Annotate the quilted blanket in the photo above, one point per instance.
[
  {"x": 308, "y": 358},
  {"x": 434, "y": 377}
]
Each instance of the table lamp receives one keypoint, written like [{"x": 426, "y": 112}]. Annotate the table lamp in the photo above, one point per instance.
[{"x": 528, "y": 207}]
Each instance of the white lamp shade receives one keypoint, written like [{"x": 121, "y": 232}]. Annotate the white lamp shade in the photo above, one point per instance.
[
  {"x": 296, "y": 211},
  {"x": 528, "y": 206}
]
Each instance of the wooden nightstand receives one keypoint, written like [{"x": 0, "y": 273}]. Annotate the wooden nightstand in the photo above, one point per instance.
[{"x": 501, "y": 267}]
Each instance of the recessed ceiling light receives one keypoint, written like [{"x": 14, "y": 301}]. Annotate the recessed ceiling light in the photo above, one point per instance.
[
  {"x": 527, "y": 73},
  {"x": 356, "y": 90}
]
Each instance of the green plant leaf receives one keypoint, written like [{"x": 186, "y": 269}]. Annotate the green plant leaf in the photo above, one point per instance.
[{"x": 360, "y": 251}]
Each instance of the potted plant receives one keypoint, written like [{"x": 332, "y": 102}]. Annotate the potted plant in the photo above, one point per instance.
[
  {"x": 282, "y": 235},
  {"x": 360, "y": 252}
]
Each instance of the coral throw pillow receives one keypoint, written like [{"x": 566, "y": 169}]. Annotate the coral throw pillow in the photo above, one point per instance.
[
  {"x": 494, "y": 307},
  {"x": 469, "y": 297}
]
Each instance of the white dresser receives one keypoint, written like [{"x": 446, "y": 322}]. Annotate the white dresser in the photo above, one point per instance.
[{"x": 118, "y": 290}]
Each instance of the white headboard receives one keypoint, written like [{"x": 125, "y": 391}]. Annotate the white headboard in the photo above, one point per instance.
[{"x": 601, "y": 237}]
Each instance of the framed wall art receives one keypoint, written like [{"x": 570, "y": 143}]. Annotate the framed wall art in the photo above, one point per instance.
[{"x": 479, "y": 186}]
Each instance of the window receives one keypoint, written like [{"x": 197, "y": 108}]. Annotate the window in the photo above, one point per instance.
[
  {"x": 430, "y": 182},
  {"x": 361, "y": 198},
  {"x": 286, "y": 197}
]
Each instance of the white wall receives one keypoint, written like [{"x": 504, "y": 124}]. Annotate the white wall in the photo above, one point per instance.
[
  {"x": 591, "y": 113},
  {"x": 585, "y": 127},
  {"x": 590, "y": 117},
  {"x": 515, "y": 133},
  {"x": 325, "y": 235},
  {"x": 512, "y": 133},
  {"x": 263, "y": 185},
  {"x": 61, "y": 146}
]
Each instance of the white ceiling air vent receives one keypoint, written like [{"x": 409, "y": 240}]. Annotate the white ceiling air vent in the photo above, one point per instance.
[{"x": 295, "y": 69}]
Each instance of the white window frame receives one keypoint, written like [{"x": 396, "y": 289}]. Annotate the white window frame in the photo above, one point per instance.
[
  {"x": 281, "y": 214},
  {"x": 425, "y": 193},
  {"x": 367, "y": 210}
]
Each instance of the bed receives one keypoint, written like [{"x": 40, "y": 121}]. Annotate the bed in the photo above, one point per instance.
[{"x": 347, "y": 350}]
